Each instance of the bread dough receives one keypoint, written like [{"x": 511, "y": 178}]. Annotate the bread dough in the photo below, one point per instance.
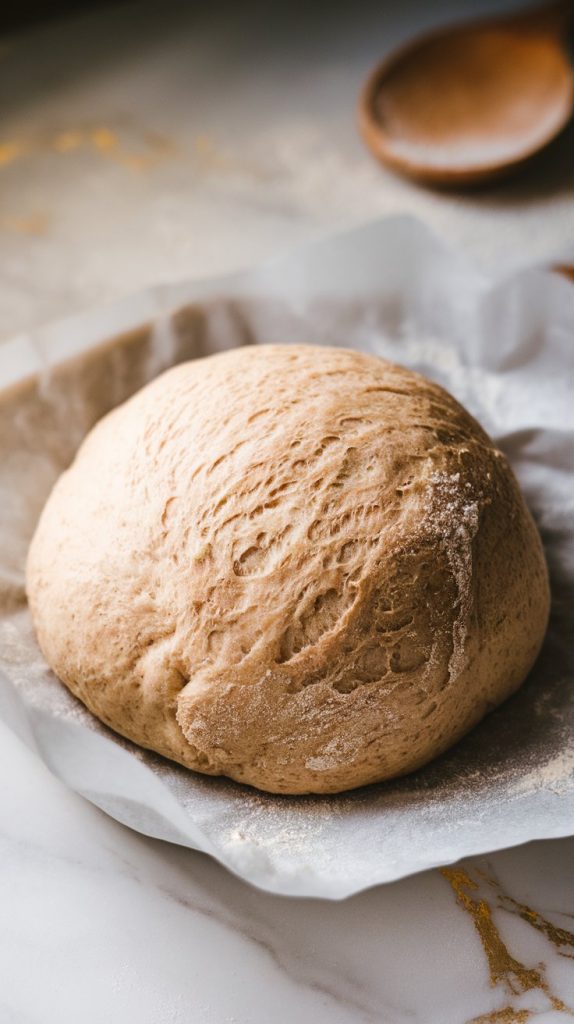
[{"x": 304, "y": 568}]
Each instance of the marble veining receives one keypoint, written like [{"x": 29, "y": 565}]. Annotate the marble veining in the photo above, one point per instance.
[
  {"x": 504, "y": 969},
  {"x": 117, "y": 923}
]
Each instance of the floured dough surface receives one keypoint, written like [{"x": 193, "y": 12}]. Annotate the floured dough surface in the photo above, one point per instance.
[{"x": 304, "y": 568}]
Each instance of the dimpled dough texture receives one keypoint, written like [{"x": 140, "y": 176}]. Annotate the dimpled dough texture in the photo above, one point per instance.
[{"x": 304, "y": 568}]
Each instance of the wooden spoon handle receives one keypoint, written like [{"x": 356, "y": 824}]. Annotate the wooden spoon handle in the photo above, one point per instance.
[
  {"x": 551, "y": 19},
  {"x": 565, "y": 269}
]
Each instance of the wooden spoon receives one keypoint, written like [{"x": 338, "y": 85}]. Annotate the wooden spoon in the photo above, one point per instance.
[
  {"x": 469, "y": 103},
  {"x": 564, "y": 269}
]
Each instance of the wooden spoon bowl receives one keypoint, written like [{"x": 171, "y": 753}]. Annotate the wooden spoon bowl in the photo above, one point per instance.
[{"x": 471, "y": 103}]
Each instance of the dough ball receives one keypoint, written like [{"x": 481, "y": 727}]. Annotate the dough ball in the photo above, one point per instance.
[{"x": 304, "y": 568}]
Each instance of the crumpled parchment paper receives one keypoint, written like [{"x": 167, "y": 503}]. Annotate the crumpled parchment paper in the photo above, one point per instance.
[{"x": 506, "y": 350}]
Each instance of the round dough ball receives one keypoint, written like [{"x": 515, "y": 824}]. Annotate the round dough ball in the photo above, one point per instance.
[{"x": 304, "y": 568}]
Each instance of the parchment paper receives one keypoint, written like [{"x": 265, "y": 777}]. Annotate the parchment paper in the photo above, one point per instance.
[{"x": 506, "y": 350}]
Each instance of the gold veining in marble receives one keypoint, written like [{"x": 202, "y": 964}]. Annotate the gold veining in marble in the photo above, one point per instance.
[
  {"x": 507, "y": 1015},
  {"x": 211, "y": 157},
  {"x": 504, "y": 968},
  {"x": 155, "y": 148},
  {"x": 67, "y": 142},
  {"x": 33, "y": 225},
  {"x": 10, "y": 151},
  {"x": 559, "y": 937},
  {"x": 104, "y": 140}
]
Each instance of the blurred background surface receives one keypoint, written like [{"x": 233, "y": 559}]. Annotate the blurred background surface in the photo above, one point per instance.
[{"x": 146, "y": 141}]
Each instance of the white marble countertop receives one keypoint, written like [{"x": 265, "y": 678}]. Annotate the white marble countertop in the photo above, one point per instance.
[
  {"x": 101, "y": 924},
  {"x": 144, "y": 143}
]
